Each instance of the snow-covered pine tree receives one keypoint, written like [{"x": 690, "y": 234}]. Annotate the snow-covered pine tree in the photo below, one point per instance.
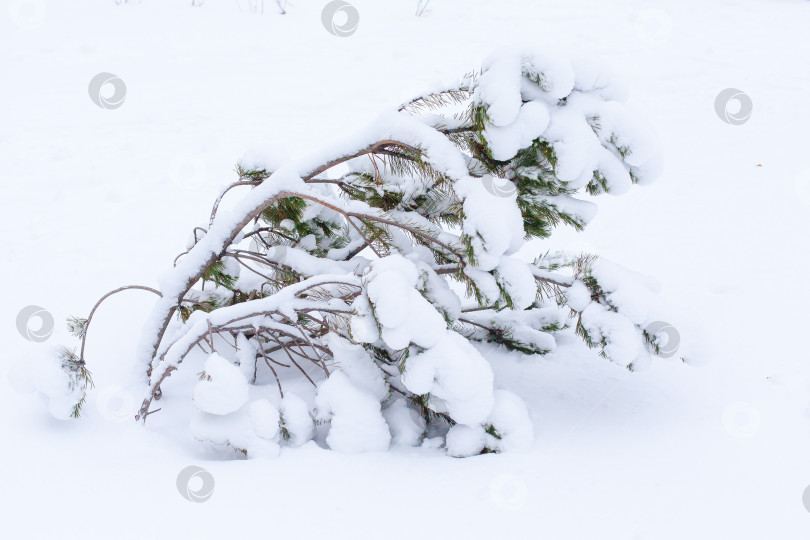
[{"x": 369, "y": 269}]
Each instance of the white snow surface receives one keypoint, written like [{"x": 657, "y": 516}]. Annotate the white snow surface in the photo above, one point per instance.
[
  {"x": 715, "y": 450},
  {"x": 511, "y": 421},
  {"x": 42, "y": 374},
  {"x": 404, "y": 314},
  {"x": 457, "y": 377},
  {"x": 223, "y": 388},
  {"x": 296, "y": 419},
  {"x": 465, "y": 441},
  {"x": 355, "y": 421},
  {"x": 252, "y": 429},
  {"x": 407, "y": 425}
]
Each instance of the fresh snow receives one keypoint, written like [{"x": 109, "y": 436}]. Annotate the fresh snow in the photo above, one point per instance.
[
  {"x": 100, "y": 198},
  {"x": 355, "y": 423},
  {"x": 222, "y": 389},
  {"x": 457, "y": 377}
]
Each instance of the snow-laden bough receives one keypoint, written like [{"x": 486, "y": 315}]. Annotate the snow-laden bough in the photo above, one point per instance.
[{"x": 370, "y": 269}]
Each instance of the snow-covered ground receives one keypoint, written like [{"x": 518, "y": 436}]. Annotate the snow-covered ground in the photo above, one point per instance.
[{"x": 99, "y": 198}]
